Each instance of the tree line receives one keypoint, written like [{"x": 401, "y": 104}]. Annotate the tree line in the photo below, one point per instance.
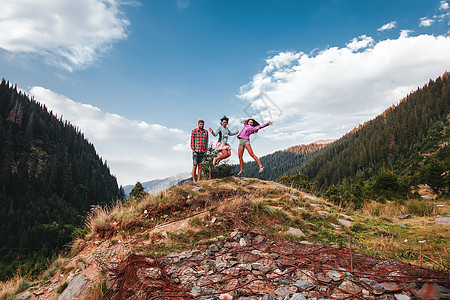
[
  {"x": 406, "y": 145},
  {"x": 50, "y": 176}
]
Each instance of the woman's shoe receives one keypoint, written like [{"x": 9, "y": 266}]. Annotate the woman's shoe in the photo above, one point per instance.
[
  {"x": 261, "y": 169},
  {"x": 240, "y": 172}
]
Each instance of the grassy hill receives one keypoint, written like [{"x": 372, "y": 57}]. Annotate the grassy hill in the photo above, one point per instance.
[{"x": 194, "y": 218}]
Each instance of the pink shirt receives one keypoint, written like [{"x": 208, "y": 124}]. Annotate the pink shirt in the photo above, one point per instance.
[{"x": 248, "y": 129}]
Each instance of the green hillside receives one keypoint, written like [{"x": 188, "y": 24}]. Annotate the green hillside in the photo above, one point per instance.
[
  {"x": 405, "y": 146},
  {"x": 50, "y": 175}
]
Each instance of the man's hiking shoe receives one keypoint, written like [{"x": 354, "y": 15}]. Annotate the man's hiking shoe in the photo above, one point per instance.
[
  {"x": 261, "y": 169},
  {"x": 240, "y": 172}
]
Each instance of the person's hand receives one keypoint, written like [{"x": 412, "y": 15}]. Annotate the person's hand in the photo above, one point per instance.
[
  {"x": 270, "y": 122},
  {"x": 210, "y": 130}
]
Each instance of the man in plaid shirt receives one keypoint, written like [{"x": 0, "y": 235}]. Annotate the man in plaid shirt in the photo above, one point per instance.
[{"x": 199, "y": 146}]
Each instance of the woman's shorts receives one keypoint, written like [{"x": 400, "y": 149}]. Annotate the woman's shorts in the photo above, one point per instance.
[
  {"x": 243, "y": 142},
  {"x": 222, "y": 146},
  {"x": 198, "y": 157}
]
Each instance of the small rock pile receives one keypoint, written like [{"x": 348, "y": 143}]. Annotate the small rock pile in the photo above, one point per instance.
[{"x": 251, "y": 266}]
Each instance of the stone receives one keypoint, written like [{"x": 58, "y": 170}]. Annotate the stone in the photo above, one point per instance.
[
  {"x": 196, "y": 291},
  {"x": 226, "y": 296},
  {"x": 244, "y": 242},
  {"x": 345, "y": 222},
  {"x": 335, "y": 275},
  {"x": 445, "y": 220},
  {"x": 303, "y": 285},
  {"x": 323, "y": 213},
  {"x": 429, "y": 291},
  {"x": 376, "y": 288},
  {"x": 214, "y": 248},
  {"x": 284, "y": 291},
  {"x": 23, "y": 296},
  {"x": 298, "y": 296},
  {"x": 310, "y": 197},
  {"x": 259, "y": 239},
  {"x": 350, "y": 287},
  {"x": 77, "y": 288},
  {"x": 402, "y": 296},
  {"x": 322, "y": 278},
  {"x": 404, "y": 217},
  {"x": 391, "y": 287},
  {"x": 295, "y": 232}
]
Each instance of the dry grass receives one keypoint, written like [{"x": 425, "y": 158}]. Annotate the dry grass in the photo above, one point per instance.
[
  {"x": 98, "y": 288},
  {"x": 15, "y": 285}
]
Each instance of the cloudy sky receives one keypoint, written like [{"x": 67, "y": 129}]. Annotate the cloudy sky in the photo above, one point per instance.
[{"x": 135, "y": 76}]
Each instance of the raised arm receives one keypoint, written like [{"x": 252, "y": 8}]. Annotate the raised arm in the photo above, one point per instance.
[{"x": 214, "y": 133}]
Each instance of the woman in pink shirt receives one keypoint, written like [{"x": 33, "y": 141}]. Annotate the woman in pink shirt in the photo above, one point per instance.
[{"x": 250, "y": 127}]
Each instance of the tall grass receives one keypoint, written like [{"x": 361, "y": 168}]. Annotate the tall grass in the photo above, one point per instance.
[{"x": 12, "y": 287}]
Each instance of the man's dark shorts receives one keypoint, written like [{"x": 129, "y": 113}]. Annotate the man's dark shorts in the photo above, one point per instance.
[{"x": 198, "y": 157}]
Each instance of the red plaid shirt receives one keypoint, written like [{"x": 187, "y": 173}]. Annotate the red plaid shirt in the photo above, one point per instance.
[{"x": 199, "y": 140}]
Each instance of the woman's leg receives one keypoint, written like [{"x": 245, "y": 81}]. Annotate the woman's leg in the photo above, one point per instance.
[
  {"x": 223, "y": 155},
  {"x": 241, "y": 157},
  {"x": 250, "y": 151}
]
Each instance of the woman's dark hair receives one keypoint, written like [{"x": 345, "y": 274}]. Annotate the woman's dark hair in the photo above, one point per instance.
[
  {"x": 255, "y": 123},
  {"x": 224, "y": 118}
]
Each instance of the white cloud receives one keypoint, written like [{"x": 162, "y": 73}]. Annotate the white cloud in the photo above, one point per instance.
[
  {"x": 361, "y": 43},
  {"x": 387, "y": 26},
  {"x": 134, "y": 150},
  {"x": 425, "y": 22},
  {"x": 444, "y": 5},
  {"x": 66, "y": 33},
  {"x": 327, "y": 94}
]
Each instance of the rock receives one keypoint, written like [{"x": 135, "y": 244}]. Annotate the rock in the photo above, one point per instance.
[
  {"x": 226, "y": 296},
  {"x": 350, "y": 287},
  {"x": 196, "y": 189},
  {"x": 391, "y": 287},
  {"x": 323, "y": 213},
  {"x": 303, "y": 285},
  {"x": 445, "y": 220},
  {"x": 335, "y": 226},
  {"x": 196, "y": 291},
  {"x": 345, "y": 222},
  {"x": 402, "y": 296},
  {"x": 376, "y": 288},
  {"x": 214, "y": 248},
  {"x": 322, "y": 278},
  {"x": 259, "y": 239},
  {"x": 429, "y": 291},
  {"x": 23, "y": 296},
  {"x": 244, "y": 242},
  {"x": 77, "y": 288},
  {"x": 284, "y": 291},
  {"x": 346, "y": 216},
  {"x": 335, "y": 275},
  {"x": 404, "y": 217},
  {"x": 310, "y": 197},
  {"x": 298, "y": 296},
  {"x": 295, "y": 232},
  {"x": 153, "y": 273}
]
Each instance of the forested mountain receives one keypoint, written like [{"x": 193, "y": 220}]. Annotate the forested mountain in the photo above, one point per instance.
[
  {"x": 50, "y": 175},
  {"x": 404, "y": 146},
  {"x": 281, "y": 162}
]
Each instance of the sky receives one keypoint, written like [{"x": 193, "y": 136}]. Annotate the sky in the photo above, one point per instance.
[{"x": 135, "y": 76}]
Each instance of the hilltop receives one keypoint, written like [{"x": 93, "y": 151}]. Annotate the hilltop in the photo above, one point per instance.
[{"x": 242, "y": 237}]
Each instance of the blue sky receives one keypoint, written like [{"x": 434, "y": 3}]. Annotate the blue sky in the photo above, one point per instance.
[{"x": 135, "y": 76}]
